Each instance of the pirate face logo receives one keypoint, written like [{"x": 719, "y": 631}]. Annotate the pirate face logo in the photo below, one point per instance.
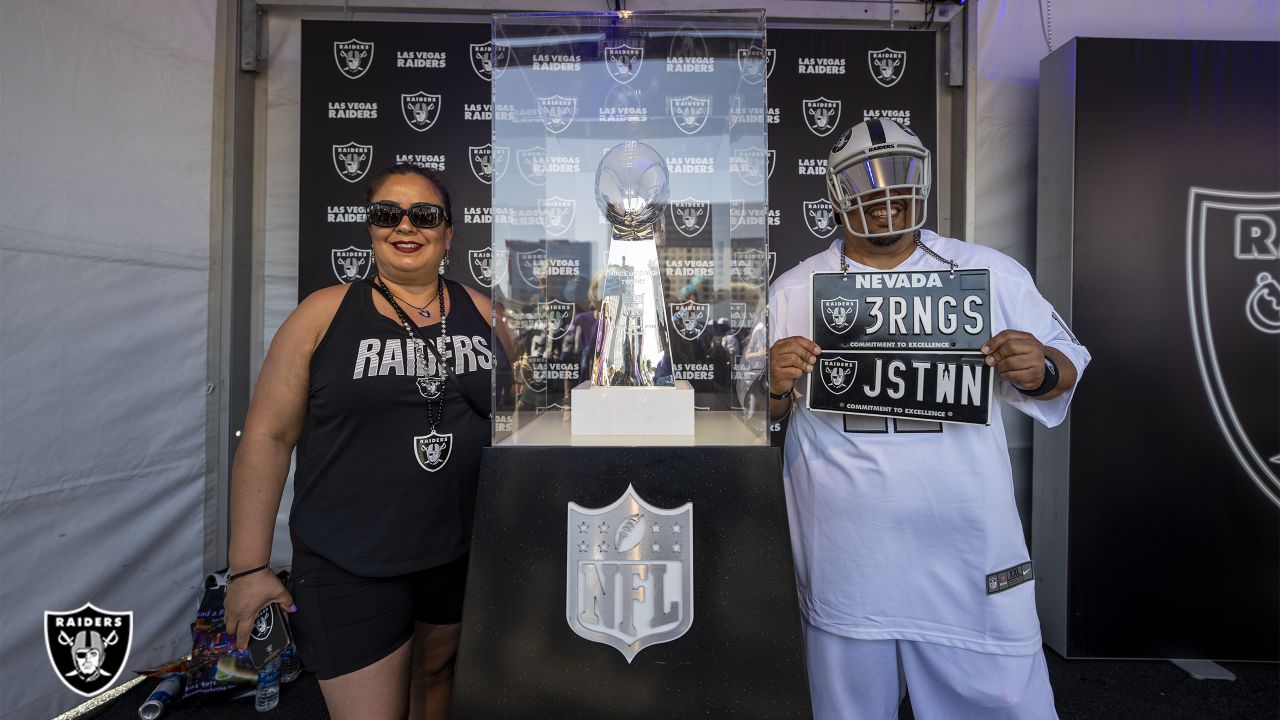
[
  {"x": 353, "y": 57},
  {"x": 533, "y": 165},
  {"x": 651, "y": 548},
  {"x": 351, "y": 263},
  {"x": 488, "y": 267},
  {"x": 690, "y": 216},
  {"x": 432, "y": 450},
  {"x": 820, "y": 217},
  {"x": 839, "y": 313},
  {"x": 756, "y": 64},
  {"x": 887, "y": 65},
  {"x": 557, "y": 112},
  {"x": 623, "y": 61},
  {"x": 487, "y": 63},
  {"x": 88, "y": 647},
  {"x": 555, "y": 316},
  {"x": 753, "y": 164},
  {"x": 690, "y": 113},
  {"x": 690, "y": 318},
  {"x": 557, "y": 214},
  {"x": 352, "y": 161},
  {"x": 420, "y": 110},
  {"x": 488, "y": 163},
  {"x": 430, "y": 386},
  {"x": 1233, "y": 249},
  {"x": 837, "y": 373},
  {"x": 533, "y": 267},
  {"x": 821, "y": 115}
]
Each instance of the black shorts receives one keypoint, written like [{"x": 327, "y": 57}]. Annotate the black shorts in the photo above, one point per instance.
[{"x": 346, "y": 622}]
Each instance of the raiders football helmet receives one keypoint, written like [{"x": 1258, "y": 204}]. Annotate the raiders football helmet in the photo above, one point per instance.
[{"x": 879, "y": 167}]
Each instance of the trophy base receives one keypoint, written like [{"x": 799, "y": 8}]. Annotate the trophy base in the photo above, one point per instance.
[{"x": 633, "y": 410}]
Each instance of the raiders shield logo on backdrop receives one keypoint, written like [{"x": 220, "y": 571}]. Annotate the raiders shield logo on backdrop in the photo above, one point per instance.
[
  {"x": 837, "y": 373},
  {"x": 484, "y": 62},
  {"x": 623, "y": 61},
  {"x": 1233, "y": 283},
  {"x": 488, "y": 163},
  {"x": 432, "y": 451},
  {"x": 352, "y": 160},
  {"x": 557, "y": 112},
  {"x": 629, "y": 573},
  {"x": 822, "y": 115},
  {"x": 88, "y": 647},
  {"x": 557, "y": 214},
  {"x": 756, "y": 64},
  {"x": 533, "y": 165},
  {"x": 556, "y": 315},
  {"x": 820, "y": 217},
  {"x": 690, "y": 113},
  {"x": 690, "y": 318},
  {"x": 353, "y": 57},
  {"x": 690, "y": 215},
  {"x": 887, "y": 65},
  {"x": 488, "y": 267},
  {"x": 533, "y": 267},
  {"x": 420, "y": 110},
  {"x": 351, "y": 263},
  {"x": 839, "y": 313}
]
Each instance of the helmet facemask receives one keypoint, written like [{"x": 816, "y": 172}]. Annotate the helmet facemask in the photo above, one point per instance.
[{"x": 890, "y": 181}]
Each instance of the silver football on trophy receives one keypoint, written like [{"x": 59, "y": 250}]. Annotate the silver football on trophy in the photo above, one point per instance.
[{"x": 632, "y": 185}]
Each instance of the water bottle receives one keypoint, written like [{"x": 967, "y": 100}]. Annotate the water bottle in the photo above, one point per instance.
[
  {"x": 290, "y": 664},
  {"x": 268, "y": 694},
  {"x": 166, "y": 692}
]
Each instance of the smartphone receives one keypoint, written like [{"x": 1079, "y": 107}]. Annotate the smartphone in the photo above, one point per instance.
[{"x": 270, "y": 635}]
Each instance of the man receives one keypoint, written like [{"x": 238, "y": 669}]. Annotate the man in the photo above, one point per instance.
[{"x": 897, "y": 524}]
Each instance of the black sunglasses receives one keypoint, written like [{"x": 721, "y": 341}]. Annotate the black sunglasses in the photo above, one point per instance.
[{"x": 423, "y": 215}]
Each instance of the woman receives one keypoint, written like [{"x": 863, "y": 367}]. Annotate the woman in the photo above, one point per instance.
[{"x": 388, "y": 452}]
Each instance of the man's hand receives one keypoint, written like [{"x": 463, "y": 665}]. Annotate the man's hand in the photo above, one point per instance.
[
  {"x": 789, "y": 359},
  {"x": 1018, "y": 357}
]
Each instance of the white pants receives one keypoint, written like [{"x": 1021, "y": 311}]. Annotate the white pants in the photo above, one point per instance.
[{"x": 866, "y": 679}]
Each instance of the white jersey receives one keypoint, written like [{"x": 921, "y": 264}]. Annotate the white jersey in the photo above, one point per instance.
[{"x": 895, "y": 525}]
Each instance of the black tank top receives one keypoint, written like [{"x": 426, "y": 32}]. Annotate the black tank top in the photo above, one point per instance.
[{"x": 362, "y": 497}]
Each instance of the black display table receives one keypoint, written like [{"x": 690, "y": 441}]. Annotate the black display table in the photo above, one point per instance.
[{"x": 741, "y": 656}]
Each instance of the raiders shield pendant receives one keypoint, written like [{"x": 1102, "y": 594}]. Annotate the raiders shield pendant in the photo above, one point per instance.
[{"x": 432, "y": 451}]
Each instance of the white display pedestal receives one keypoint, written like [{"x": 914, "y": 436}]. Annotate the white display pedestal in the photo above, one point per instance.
[{"x": 633, "y": 410}]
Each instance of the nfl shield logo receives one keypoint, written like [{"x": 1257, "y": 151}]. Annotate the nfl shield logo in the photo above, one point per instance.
[
  {"x": 351, "y": 263},
  {"x": 1233, "y": 282},
  {"x": 557, "y": 214},
  {"x": 690, "y": 113},
  {"x": 623, "y": 61},
  {"x": 353, "y": 57},
  {"x": 556, "y": 314},
  {"x": 837, "y": 374},
  {"x": 88, "y": 647},
  {"x": 690, "y": 318},
  {"x": 486, "y": 63},
  {"x": 752, "y": 164},
  {"x": 488, "y": 267},
  {"x": 820, "y": 217},
  {"x": 532, "y": 372},
  {"x": 839, "y": 313},
  {"x": 756, "y": 64},
  {"x": 420, "y": 110},
  {"x": 690, "y": 216},
  {"x": 557, "y": 112},
  {"x": 432, "y": 451},
  {"x": 488, "y": 163},
  {"x": 629, "y": 573},
  {"x": 352, "y": 160},
  {"x": 887, "y": 65},
  {"x": 533, "y": 165},
  {"x": 821, "y": 115},
  {"x": 533, "y": 267}
]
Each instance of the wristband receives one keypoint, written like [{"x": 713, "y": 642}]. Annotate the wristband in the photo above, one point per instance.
[
  {"x": 1049, "y": 382},
  {"x": 784, "y": 395},
  {"x": 239, "y": 575}
]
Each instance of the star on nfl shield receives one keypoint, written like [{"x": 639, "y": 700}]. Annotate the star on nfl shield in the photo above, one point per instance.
[{"x": 629, "y": 573}]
